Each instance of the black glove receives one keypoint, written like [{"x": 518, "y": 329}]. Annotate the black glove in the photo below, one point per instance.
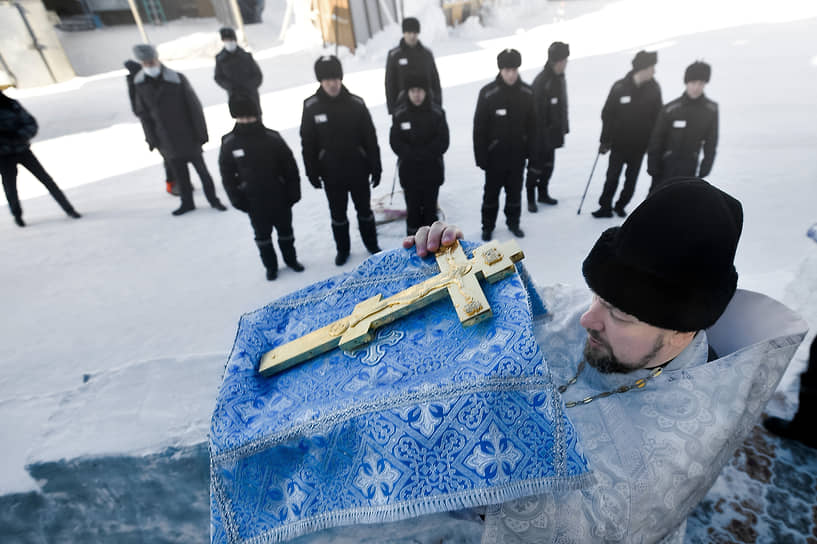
[
  {"x": 315, "y": 182},
  {"x": 604, "y": 148},
  {"x": 376, "y": 179}
]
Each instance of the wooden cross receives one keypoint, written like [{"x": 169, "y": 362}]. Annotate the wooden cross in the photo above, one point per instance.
[{"x": 458, "y": 277}]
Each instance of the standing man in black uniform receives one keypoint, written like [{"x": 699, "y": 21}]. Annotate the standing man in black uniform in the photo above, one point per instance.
[
  {"x": 419, "y": 137},
  {"x": 684, "y": 127},
  {"x": 173, "y": 121},
  {"x": 410, "y": 56},
  {"x": 17, "y": 128},
  {"x": 261, "y": 178},
  {"x": 628, "y": 118},
  {"x": 504, "y": 133},
  {"x": 340, "y": 153},
  {"x": 236, "y": 70},
  {"x": 550, "y": 103}
]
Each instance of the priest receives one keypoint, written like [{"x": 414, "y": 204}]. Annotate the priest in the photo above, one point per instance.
[{"x": 660, "y": 370}]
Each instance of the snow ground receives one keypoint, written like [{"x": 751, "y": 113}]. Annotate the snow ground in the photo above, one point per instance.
[{"x": 116, "y": 326}]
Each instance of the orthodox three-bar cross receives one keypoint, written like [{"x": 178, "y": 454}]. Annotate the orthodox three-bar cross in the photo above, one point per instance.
[{"x": 459, "y": 278}]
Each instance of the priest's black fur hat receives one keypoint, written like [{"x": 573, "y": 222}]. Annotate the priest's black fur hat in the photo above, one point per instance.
[
  {"x": 411, "y": 24},
  {"x": 509, "y": 58},
  {"x": 698, "y": 71},
  {"x": 328, "y": 67},
  {"x": 558, "y": 51},
  {"x": 644, "y": 59},
  {"x": 671, "y": 263}
]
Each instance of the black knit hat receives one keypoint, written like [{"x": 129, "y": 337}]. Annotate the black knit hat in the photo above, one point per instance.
[
  {"x": 671, "y": 264},
  {"x": 242, "y": 105},
  {"x": 415, "y": 79},
  {"x": 328, "y": 67},
  {"x": 698, "y": 71},
  {"x": 227, "y": 33},
  {"x": 509, "y": 58},
  {"x": 644, "y": 59},
  {"x": 558, "y": 51},
  {"x": 411, "y": 24}
]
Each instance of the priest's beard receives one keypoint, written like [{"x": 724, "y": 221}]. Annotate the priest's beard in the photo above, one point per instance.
[{"x": 602, "y": 358}]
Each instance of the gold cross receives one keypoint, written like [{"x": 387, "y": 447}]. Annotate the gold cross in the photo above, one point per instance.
[{"x": 458, "y": 277}]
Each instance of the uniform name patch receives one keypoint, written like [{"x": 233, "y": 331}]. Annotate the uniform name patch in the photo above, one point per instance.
[
  {"x": 624, "y": 100},
  {"x": 238, "y": 153},
  {"x": 554, "y": 100},
  {"x": 403, "y": 61},
  {"x": 502, "y": 111},
  {"x": 679, "y": 123},
  {"x": 405, "y": 125},
  {"x": 321, "y": 118}
]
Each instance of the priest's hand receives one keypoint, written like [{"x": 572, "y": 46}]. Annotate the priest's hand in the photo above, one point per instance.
[{"x": 430, "y": 239}]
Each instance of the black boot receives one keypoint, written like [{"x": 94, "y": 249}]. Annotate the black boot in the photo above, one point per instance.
[
  {"x": 368, "y": 231},
  {"x": 620, "y": 211},
  {"x": 602, "y": 212},
  {"x": 287, "y": 246},
  {"x": 532, "y": 207},
  {"x": 184, "y": 208},
  {"x": 342, "y": 242},
  {"x": 19, "y": 220},
  {"x": 544, "y": 197},
  {"x": 519, "y": 233},
  {"x": 268, "y": 257}
]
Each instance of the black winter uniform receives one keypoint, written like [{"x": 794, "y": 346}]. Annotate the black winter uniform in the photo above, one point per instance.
[
  {"x": 261, "y": 178},
  {"x": 237, "y": 72},
  {"x": 339, "y": 147},
  {"x": 134, "y": 68},
  {"x": 628, "y": 117},
  {"x": 17, "y": 128},
  {"x": 405, "y": 59},
  {"x": 173, "y": 121},
  {"x": 550, "y": 106},
  {"x": 419, "y": 137},
  {"x": 504, "y": 133},
  {"x": 683, "y": 128}
]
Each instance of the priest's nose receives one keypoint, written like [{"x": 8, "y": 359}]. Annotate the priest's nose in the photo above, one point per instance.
[{"x": 593, "y": 317}]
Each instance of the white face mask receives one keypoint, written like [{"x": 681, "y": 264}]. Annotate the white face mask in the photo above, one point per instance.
[
  {"x": 230, "y": 46},
  {"x": 152, "y": 71}
]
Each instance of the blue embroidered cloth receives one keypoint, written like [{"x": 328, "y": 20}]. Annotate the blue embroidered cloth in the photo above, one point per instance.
[{"x": 428, "y": 417}]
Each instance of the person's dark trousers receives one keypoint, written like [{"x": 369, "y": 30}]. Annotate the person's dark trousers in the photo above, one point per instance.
[
  {"x": 421, "y": 206},
  {"x": 495, "y": 181},
  {"x": 8, "y": 170},
  {"x": 179, "y": 167},
  {"x": 338, "y": 196},
  {"x": 541, "y": 178},
  {"x": 168, "y": 172},
  {"x": 262, "y": 225},
  {"x": 614, "y": 167}
]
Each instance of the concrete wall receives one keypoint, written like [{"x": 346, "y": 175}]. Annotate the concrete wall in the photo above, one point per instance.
[{"x": 26, "y": 64}]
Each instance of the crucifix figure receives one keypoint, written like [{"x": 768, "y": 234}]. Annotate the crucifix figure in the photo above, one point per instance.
[{"x": 458, "y": 278}]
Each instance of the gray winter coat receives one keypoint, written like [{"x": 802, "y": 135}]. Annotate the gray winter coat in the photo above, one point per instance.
[{"x": 171, "y": 114}]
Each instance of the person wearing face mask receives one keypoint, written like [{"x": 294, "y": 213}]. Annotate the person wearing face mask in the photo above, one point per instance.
[
  {"x": 410, "y": 56},
  {"x": 173, "y": 121},
  {"x": 261, "y": 178},
  {"x": 419, "y": 137},
  {"x": 236, "y": 71},
  {"x": 341, "y": 154},
  {"x": 504, "y": 133},
  {"x": 685, "y": 126}
]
